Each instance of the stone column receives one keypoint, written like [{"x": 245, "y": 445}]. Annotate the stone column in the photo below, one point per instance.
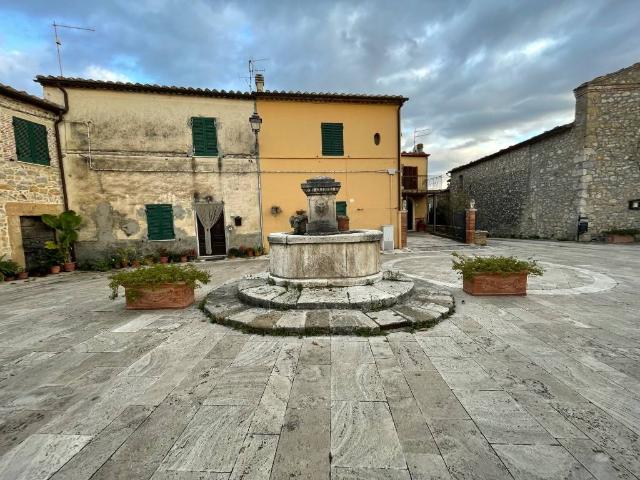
[{"x": 470, "y": 229}]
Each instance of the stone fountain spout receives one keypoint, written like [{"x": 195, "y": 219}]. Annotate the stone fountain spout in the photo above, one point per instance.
[{"x": 321, "y": 200}]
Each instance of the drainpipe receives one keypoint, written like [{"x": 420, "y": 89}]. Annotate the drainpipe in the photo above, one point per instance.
[
  {"x": 399, "y": 180},
  {"x": 56, "y": 128}
]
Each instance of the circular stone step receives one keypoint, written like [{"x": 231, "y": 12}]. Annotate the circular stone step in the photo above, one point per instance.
[{"x": 422, "y": 306}]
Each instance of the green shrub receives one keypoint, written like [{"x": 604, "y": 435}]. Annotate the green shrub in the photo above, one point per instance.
[
  {"x": 8, "y": 268},
  {"x": 468, "y": 267},
  {"x": 234, "y": 252},
  {"x": 66, "y": 226},
  {"x": 156, "y": 275},
  {"x": 622, "y": 231}
]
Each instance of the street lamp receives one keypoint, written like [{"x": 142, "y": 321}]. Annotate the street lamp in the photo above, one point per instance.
[{"x": 255, "y": 120}]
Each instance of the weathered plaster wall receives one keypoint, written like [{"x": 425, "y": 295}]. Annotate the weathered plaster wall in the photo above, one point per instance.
[
  {"x": 291, "y": 153},
  {"x": 25, "y": 188},
  {"x": 610, "y": 130},
  {"x": 124, "y": 150}
]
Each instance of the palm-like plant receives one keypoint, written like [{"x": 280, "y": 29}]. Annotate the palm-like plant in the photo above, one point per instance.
[{"x": 66, "y": 226}]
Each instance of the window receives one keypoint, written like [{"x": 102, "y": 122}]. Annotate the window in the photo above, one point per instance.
[
  {"x": 376, "y": 139},
  {"x": 410, "y": 178},
  {"x": 31, "y": 141},
  {"x": 341, "y": 209},
  {"x": 205, "y": 137},
  {"x": 160, "y": 222},
  {"x": 461, "y": 181},
  {"x": 332, "y": 139}
]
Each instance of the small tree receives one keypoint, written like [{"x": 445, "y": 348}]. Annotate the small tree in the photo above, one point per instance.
[{"x": 66, "y": 226}]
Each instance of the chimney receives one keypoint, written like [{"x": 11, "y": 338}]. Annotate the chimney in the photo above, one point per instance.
[
  {"x": 419, "y": 148},
  {"x": 259, "y": 82}
]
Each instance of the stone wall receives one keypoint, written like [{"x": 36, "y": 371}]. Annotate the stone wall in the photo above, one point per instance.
[
  {"x": 25, "y": 188},
  {"x": 540, "y": 187},
  {"x": 124, "y": 150}
]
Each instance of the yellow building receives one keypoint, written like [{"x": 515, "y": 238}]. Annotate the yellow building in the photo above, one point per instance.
[
  {"x": 414, "y": 186},
  {"x": 352, "y": 138}
]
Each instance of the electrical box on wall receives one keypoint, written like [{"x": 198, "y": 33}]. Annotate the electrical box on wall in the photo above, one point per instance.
[{"x": 237, "y": 221}]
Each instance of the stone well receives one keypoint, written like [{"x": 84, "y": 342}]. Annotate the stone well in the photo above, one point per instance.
[{"x": 338, "y": 260}]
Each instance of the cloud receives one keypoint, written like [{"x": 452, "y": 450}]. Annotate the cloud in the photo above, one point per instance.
[
  {"x": 96, "y": 72},
  {"x": 481, "y": 75}
]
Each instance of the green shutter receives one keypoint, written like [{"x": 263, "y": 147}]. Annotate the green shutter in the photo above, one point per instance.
[
  {"x": 205, "y": 137},
  {"x": 332, "y": 144},
  {"x": 341, "y": 209},
  {"x": 31, "y": 141},
  {"x": 160, "y": 222}
]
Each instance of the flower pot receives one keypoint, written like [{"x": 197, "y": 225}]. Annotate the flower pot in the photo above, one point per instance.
[
  {"x": 55, "y": 269},
  {"x": 184, "y": 259},
  {"x": 23, "y": 275},
  {"x": 620, "y": 238},
  {"x": 9, "y": 279},
  {"x": 496, "y": 284},
  {"x": 164, "y": 259},
  {"x": 69, "y": 266},
  {"x": 135, "y": 264},
  {"x": 165, "y": 295},
  {"x": 343, "y": 223}
]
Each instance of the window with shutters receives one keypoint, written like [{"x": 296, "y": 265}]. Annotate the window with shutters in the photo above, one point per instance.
[
  {"x": 205, "y": 137},
  {"x": 410, "y": 178},
  {"x": 341, "y": 209},
  {"x": 160, "y": 222},
  {"x": 332, "y": 144},
  {"x": 31, "y": 141}
]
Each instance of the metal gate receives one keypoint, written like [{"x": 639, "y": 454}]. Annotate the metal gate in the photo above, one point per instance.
[{"x": 460, "y": 226}]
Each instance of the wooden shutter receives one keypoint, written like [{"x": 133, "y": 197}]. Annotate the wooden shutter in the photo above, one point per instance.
[
  {"x": 341, "y": 209},
  {"x": 205, "y": 137},
  {"x": 410, "y": 178},
  {"x": 160, "y": 222},
  {"x": 31, "y": 141},
  {"x": 332, "y": 143}
]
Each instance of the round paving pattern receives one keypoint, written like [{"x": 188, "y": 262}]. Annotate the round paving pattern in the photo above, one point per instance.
[{"x": 396, "y": 302}]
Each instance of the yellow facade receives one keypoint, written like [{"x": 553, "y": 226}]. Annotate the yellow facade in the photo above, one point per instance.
[
  {"x": 415, "y": 198},
  {"x": 291, "y": 152}
]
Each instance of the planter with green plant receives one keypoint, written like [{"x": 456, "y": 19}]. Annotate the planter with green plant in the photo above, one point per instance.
[
  {"x": 54, "y": 260},
  {"x": 8, "y": 269},
  {"x": 136, "y": 258},
  {"x": 621, "y": 235},
  {"x": 233, "y": 252},
  {"x": 159, "y": 286},
  {"x": 163, "y": 255},
  {"x": 495, "y": 275},
  {"x": 66, "y": 226},
  {"x": 22, "y": 274}
]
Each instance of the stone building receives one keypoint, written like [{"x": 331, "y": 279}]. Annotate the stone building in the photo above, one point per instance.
[
  {"x": 589, "y": 168},
  {"x": 155, "y": 167},
  {"x": 414, "y": 170},
  {"x": 30, "y": 180}
]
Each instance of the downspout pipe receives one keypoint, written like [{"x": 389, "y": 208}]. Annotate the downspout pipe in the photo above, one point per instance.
[
  {"x": 56, "y": 128},
  {"x": 399, "y": 180}
]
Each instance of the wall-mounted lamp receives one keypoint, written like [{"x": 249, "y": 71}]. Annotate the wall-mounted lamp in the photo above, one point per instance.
[{"x": 256, "y": 121}]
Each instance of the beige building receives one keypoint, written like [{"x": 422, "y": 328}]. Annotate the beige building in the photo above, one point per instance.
[
  {"x": 154, "y": 167},
  {"x": 414, "y": 168},
  {"x": 30, "y": 180}
]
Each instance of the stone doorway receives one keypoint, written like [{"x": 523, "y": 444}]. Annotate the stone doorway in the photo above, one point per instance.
[
  {"x": 410, "y": 214},
  {"x": 34, "y": 234},
  {"x": 212, "y": 214}
]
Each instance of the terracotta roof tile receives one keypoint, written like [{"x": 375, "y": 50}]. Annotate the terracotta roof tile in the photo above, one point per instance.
[{"x": 30, "y": 99}]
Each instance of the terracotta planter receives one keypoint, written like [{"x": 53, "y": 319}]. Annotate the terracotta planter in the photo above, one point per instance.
[
  {"x": 620, "y": 238},
  {"x": 166, "y": 295},
  {"x": 184, "y": 259},
  {"x": 496, "y": 284},
  {"x": 343, "y": 223},
  {"x": 23, "y": 275},
  {"x": 164, "y": 259},
  {"x": 135, "y": 264},
  {"x": 9, "y": 279},
  {"x": 69, "y": 266},
  {"x": 55, "y": 269}
]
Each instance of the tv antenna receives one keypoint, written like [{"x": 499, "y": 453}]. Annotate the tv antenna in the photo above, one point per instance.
[
  {"x": 253, "y": 69},
  {"x": 419, "y": 132},
  {"x": 56, "y": 26}
]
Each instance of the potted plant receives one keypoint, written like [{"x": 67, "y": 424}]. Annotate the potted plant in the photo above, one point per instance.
[
  {"x": 249, "y": 252},
  {"x": 136, "y": 258},
  {"x": 159, "y": 286},
  {"x": 66, "y": 226},
  {"x": 8, "y": 269},
  {"x": 495, "y": 275},
  {"x": 54, "y": 261},
  {"x": 343, "y": 223},
  {"x": 150, "y": 259},
  {"x": 22, "y": 274},
  {"x": 192, "y": 254},
  {"x": 621, "y": 235},
  {"x": 233, "y": 252},
  {"x": 184, "y": 256},
  {"x": 163, "y": 254}
]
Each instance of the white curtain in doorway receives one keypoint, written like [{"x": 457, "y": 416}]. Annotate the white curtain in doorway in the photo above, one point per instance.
[{"x": 208, "y": 214}]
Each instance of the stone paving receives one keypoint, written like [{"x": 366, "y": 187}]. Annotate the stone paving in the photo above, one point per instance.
[{"x": 546, "y": 386}]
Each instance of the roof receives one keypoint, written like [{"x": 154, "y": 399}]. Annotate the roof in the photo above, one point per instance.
[
  {"x": 205, "y": 92},
  {"x": 610, "y": 76},
  {"x": 25, "y": 97},
  {"x": 549, "y": 133}
]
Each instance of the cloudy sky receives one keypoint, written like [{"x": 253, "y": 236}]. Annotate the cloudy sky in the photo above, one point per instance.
[{"x": 481, "y": 75}]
